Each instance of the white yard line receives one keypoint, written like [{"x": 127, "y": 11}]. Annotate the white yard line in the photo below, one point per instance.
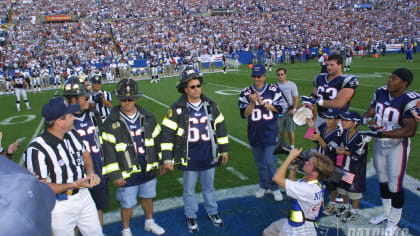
[{"x": 38, "y": 129}]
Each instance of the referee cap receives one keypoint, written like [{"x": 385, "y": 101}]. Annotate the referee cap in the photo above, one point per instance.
[
  {"x": 57, "y": 107},
  {"x": 25, "y": 202}
]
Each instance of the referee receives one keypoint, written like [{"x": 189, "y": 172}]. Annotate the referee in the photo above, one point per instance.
[
  {"x": 60, "y": 159},
  {"x": 101, "y": 100}
]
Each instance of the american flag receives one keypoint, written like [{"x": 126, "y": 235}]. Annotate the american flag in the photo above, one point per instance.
[{"x": 348, "y": 177}]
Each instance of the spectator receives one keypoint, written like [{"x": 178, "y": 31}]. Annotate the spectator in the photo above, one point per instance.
[
  {"x": 205, "y": 143},
  {"x": 260, "y": 104},
  {"x": 290, "y": 94},
  {"x": 131, "y": 167}
]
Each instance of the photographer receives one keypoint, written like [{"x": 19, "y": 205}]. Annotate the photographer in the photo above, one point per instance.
[
  {"x": 101, "y": 100},
  {"x": 308, "y": 194}
]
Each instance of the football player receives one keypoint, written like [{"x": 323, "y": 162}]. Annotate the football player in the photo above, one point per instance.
[
  {"x": 19, "y": 83},
  {"x": 333, "y": 89},
  {"x": 391, "y": 108}
]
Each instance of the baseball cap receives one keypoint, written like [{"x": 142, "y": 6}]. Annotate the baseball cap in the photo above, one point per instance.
[
  {"x": 25, "y": 202},
  {"x": 58, "y": 107},
  {"x": 404, "y": 74},
  {"x": 351, "y": 115},
  {"x": 96, "y": 80},
  {"x": 258, "y": 70},
  {"x": 332, "y": 113}
]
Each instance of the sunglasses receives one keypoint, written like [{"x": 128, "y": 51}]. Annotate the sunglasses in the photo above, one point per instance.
[
  {"x": 127, "y": 99},
  {"x": 254, "y": 76},
  {"x": 195, "y": 86},
  {"x": 280, "y": 74}
]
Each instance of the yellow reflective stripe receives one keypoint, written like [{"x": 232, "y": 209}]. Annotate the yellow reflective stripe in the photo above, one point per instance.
[
  {"x": 149, "y": 142},
  {"x": 218, "y": 120},
  {"x": 180, "y": 131},
  {"x": 156, "y": 131},
  {"x": 125, "y": 175},
  {"x": 296, "y": 216},
  {"x": 109, "y": 137},
  {"x": 223, "y": 140},
  {"x": 160, "y": 155},
  {"x": 110, "y": 168},
  {"x": 167, "y": 146},
  {"x": 100, "y": 140},
  {"x": 183, "y": 162},
  {"x": 151, "y": 166},
  {"x": 169, "y": 123},
  {"x": 120, "y": 147}
]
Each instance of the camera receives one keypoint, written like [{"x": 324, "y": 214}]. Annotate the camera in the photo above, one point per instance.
[{"x": 284, "y": 148}]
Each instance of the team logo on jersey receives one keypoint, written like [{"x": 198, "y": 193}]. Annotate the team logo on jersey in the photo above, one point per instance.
[
  {"x": 179, "y": 111},
  {"x": 169, "y": 113}
]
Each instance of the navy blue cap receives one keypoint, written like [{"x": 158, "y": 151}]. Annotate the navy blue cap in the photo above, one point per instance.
[
  {"x": 332, "y": 113},
  {"x": 96, "y": 80},
  {"x": 58, "y": 107},
  {"x": 25, "y": 202},
  {"x": 258, "y": 70},
  {"x": 351, "y": 115}
]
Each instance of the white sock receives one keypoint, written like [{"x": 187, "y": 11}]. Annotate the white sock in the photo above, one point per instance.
[
  {"x": 126, "y": 230},
  {"x": 386, "y": 202},
  {"x": 394, "y": 216},
  {"x": 149, "y": 221},
  {"x": 353, "y": 210}
]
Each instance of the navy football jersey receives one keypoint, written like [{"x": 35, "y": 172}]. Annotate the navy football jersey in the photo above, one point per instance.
[
  {"x": 199, "y": 142},
  {"x": 83, "y": 124},
  {"x": 262, "y": 123},
  {"x": 390, "y": 112},
  {"x": 136, "y": 132},
  {"x": 19, "y": 81},
  {"x": 356, "y": 162},
  {"x": 332, "y": 139},
  {"x": 328, "y": 90}
]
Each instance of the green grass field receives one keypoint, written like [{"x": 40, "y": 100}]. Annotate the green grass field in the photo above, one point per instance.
[{"x": 372, "y": 73}]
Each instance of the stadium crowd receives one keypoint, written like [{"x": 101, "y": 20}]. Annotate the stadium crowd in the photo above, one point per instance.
[{"x": 166, "y": 29}]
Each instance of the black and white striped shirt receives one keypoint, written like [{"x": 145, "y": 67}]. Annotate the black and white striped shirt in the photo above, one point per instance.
[
  {"x": 103, "y": 110},
  {"x": 58, "y": 161}
]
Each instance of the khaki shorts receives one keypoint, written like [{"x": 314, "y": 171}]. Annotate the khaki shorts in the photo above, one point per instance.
[
  {"x": 351, "y": 195},
  {"x": 286, "y": 123}
]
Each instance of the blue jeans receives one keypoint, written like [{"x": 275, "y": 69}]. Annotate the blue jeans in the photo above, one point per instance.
[
  {"x": 266, "y": 164},
  {"x": 207, "y": 187}
]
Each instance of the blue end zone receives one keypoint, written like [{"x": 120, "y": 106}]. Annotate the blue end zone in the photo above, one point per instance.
[{"x": 249, "y": 216}]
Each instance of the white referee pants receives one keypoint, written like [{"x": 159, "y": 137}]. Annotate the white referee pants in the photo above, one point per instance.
[{"x": 79, "y": 210}]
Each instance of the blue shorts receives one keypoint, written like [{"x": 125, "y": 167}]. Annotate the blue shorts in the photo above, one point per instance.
[{"x": 128, "y": 195}]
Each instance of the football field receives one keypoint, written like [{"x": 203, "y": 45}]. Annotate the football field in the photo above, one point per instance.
[{"x": 236, "y": 182}]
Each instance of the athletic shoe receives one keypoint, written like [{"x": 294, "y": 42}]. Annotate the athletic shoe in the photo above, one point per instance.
[
  {"x": 331, "y": 209},
  {"x": 378, "y": 219},
  {"x": 192, "y": 225},
  {"x": 260, "y": 193},
  {"x": 126, "y": 233},
  {"x": 155, "y": 228},
  {"x": 341, "y": 211},
  {"x": 217, "y": 221},
  {"x": 348, "y": 216},
  {"x": 18, "y": 110},
  {"x": 391, "y": 230},
  {"x": 29, "y": 108},
  {"x": 277, "y": 195}
]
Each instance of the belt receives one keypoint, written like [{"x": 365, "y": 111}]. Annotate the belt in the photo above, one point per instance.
[{"x": 72, "y": 192}]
